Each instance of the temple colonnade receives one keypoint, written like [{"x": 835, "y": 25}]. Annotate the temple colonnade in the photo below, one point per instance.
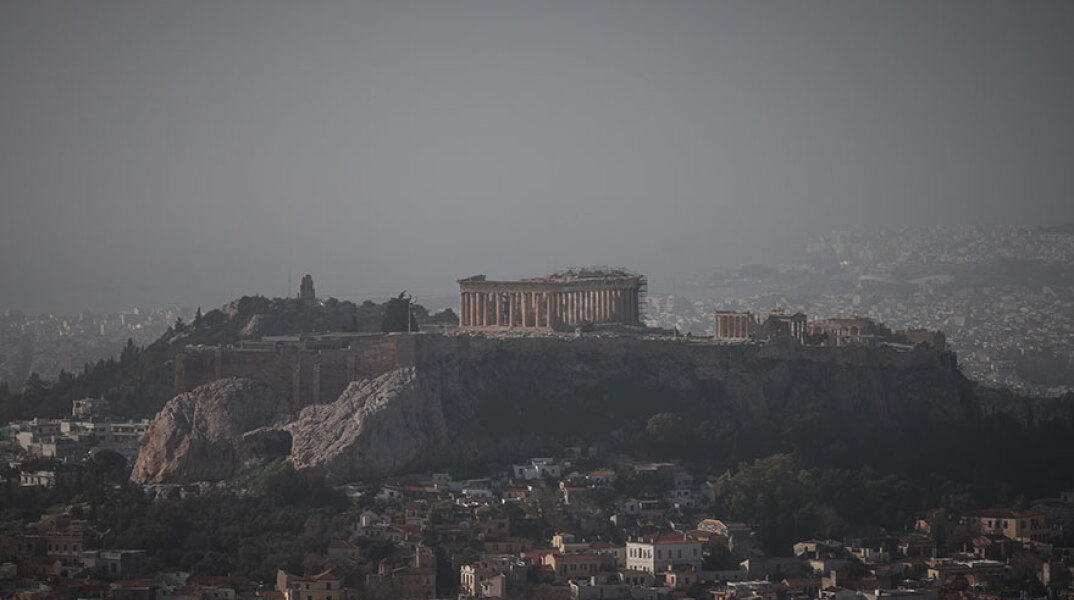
[{"x": 520, "y": 306}]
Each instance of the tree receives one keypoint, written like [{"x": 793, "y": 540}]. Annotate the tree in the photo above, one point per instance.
[
  {"x": 777, "y": 494},
  {"x": 398, "y": 315},
  {"x": 663, "y": 427},
  {"x": 129, "y": 353}
]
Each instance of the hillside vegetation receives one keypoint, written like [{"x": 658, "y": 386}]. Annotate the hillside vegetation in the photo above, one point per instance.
[{"x": 141, "y": 379}]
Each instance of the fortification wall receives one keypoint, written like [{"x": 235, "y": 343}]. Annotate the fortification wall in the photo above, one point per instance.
[
  {"x": 319, "y": 376},
  {"x": 310, "y": 376},
  {"x": 426, "y": 348}
]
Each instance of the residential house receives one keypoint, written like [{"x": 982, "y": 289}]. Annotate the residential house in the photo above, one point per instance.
[
  {"x": 680, "y": 576},
  {"x": 538, "y": 468},
  {"x": 655, "y": 552},
  {"x": 417, "y": 580},
  {"x": 740, "y": 539},
  {"x": 491, "y": 576},
  {"x": 1021, "y": 525},
  {"x": 572, "y": 566},
  {"x": 762, "y": 567},
  {"x": 322, "y": 586},
  {"x": 600, "y": 477}
]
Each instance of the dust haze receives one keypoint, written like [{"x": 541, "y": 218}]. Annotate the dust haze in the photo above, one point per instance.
[{"x": 189, "y": 153}]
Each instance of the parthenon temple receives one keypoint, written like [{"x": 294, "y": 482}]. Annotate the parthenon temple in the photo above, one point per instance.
[{"x": 562, "y": 300}]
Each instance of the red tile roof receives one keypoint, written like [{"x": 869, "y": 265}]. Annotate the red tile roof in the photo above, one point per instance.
[
  {"x": 323, "y": 576},
  {"x": 665, "y": 537}
]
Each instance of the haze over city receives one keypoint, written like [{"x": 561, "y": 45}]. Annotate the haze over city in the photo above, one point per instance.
[{"x": 189, "y": 153}]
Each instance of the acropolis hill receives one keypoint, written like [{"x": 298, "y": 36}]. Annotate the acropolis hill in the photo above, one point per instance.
[
  {"x": 392, "y": 403},
  {"x": 535, "y": 364},
  {"x": 604, "y": 304}
]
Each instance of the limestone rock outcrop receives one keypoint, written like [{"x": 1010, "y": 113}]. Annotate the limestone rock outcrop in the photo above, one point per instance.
[
  {"x": 378, "y": 426},
  {"x": 212, "y": 432}
]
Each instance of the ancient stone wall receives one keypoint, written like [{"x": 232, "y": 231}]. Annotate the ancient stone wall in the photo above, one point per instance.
[
  {"x": 308, "y": 376},
  {"x": 319, "y": 376}
]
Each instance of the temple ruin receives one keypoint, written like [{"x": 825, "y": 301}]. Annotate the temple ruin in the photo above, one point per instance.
[
  {"x": 563, "y": 300},
  {"x": 841, "y": 330}
]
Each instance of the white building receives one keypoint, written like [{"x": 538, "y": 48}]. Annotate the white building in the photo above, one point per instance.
[
  {"x": 538, "y": 468},
  {"x": 655, "y": 552}
]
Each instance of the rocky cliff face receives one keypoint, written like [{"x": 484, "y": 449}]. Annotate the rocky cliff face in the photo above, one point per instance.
[
  {"x": 214, "y": 432},
  {"x": 383, "y": 425},
  {"x": 462, "y": 400}
]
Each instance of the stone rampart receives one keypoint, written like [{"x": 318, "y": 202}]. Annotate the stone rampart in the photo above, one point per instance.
[
  {"x": 310, "y": 376},
  {"x": 314, "y": 376}
]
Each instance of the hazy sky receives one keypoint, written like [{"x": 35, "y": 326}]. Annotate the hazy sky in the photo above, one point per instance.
[{"x": 191, "y": 152}]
